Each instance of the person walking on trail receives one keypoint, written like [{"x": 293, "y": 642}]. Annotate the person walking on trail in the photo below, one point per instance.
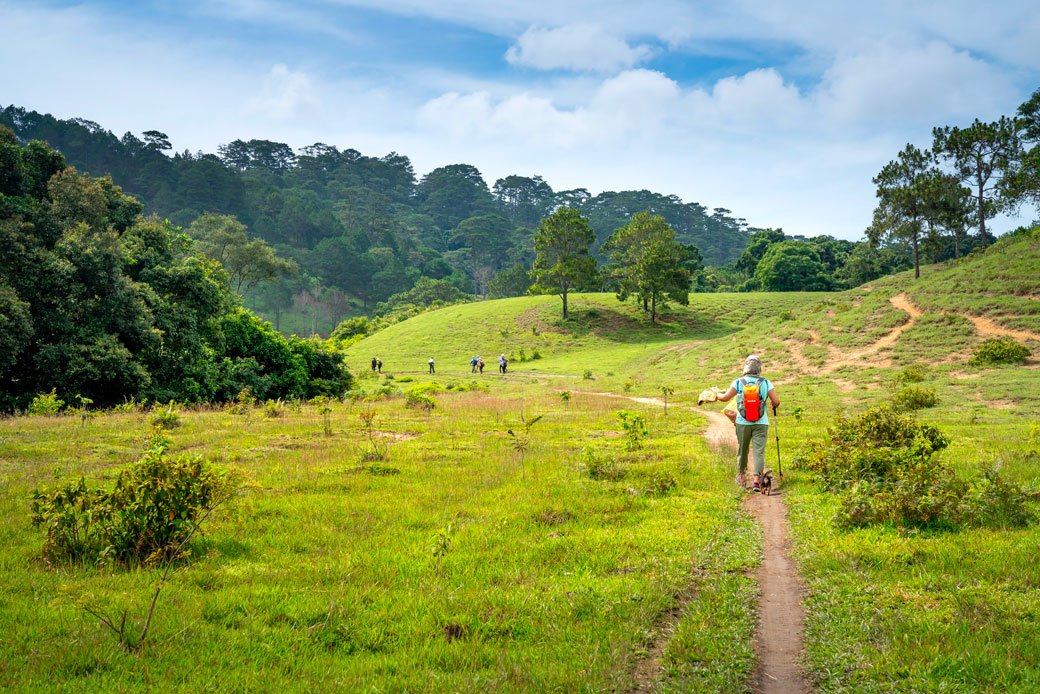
[
  {"x": 473, "y": 365},
  {"x": 502, "y": 364},
  {"x": 752, "y": 421},
  {"x": 431, "y": 365},
  {"x": 374, "y": 363},
  {"x": 480, "y": 364},
  {"x": 379, "y": 365}
]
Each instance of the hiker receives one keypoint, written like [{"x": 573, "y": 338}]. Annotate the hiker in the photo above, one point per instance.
[
  {"x": 373, "y": 363},
  {"x": 502, "y": 364},
  {"x": 431, "y": 365},
  {"x": 379, "y": 365},
  {"x": 473, "y": 365},
  {"x": 480, "y": 364},
  {"x": 752, "y": 422}
]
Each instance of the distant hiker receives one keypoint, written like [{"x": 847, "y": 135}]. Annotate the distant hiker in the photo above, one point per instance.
[
  {"x": 473, "y": 365},
  {"x": 379, "y": 365},
  {"x": 431, "y": 365},
  {"x": 480, "y": 364},
  {"x": 502, "y": 364},
  {"x": 752, "y": 422},
  {"x": 374, "y": 360}
]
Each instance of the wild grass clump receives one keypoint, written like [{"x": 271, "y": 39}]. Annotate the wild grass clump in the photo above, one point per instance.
[
  {"x": 880, "y": 463},
  {"x": 600, "y": 467},
  {"x": 659, "y": 483},
  {"x": 144, "y": 518},
  {"x": 999, "y": 350},
  {"x": 275, "y": 409},
  {"x": 419, "y": 398},
  {"x": 912, "y": 373}
]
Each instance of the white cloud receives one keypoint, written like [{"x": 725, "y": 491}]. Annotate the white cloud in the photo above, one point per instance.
[
  {"x": 575, "y": 47},
  {"x": 911, "y": 83},
  {"x": 286, "y": 95},
  {"x": 757, "y": 100}
]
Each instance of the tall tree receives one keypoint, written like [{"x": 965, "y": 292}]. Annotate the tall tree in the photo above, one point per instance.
[
  {"x": 1028, "y": 123},
  {"x": 562, "y": 245},
  {"x": 985, "y": 157},
  {"x": 488, "y": 237},
  {"x": 247, "y": 261},
  {"x": 648, "y": 262},
  {"x": 792, "y": 266},
  {"x": 901, "y": 207}
]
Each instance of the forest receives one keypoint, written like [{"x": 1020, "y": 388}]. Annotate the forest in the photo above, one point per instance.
[{"x": 357, "y": 232}]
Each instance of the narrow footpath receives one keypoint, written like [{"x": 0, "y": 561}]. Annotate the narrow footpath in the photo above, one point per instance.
[{"x": 781, "y": 617}]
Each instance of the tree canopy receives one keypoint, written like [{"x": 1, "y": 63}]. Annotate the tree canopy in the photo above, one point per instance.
[{"x": 562, "y": 245}]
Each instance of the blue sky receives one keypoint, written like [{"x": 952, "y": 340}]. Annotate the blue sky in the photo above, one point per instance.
[{"x": 781, "y": 112}]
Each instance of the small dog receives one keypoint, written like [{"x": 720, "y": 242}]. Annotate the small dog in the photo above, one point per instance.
[{"x": 765, "y": 484}]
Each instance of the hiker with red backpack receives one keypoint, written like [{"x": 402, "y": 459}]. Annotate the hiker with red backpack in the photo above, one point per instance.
[{"x": 752, "y": 421}]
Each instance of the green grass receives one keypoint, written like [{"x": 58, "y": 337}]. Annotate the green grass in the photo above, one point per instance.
[{"x": 324, "y": 575}]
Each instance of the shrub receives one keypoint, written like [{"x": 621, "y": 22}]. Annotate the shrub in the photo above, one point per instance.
[
  {"x": 914, "y": 398},
  {"x": 999, "y": 350},
  {"x": 659, "y": 483},
  {"x": 166, "y": 418},
  {"x": 914, "y": 373},
  {"x": 535, "y": 354},
  {"x": 145, "y": 517},
  {"x": 587, "y": 375},
  {"x": 628, "y": 385},
  {"x": 881, "y": 462},
  {"x": 600, "y": 467},
  {"x": 872, "y": 446},
  {"x": 420, "y": 399},
  {"x": 274, "y": 408},
  {"x": 46, "y": 404}
]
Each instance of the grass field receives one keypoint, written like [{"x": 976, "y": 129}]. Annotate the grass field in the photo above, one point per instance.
[{"x": 454, "y": 565}]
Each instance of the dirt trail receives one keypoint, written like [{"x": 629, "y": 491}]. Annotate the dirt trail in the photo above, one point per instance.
[{"x": 778, "y": 641}]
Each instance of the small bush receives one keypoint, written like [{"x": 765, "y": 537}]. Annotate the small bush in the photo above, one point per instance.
[
  {"x": 274, "y": 408},
  {"x": 166, "y": 418},
  {"x": 600, "y": 467},
  {"x": 144, "y": 518},
  {"x": 628, "y": 386},
  {"x": 912, "y": 398},
  {"x": 999, "y": 350},
  {"x": 405, "y": 379},
  {"x": 587, "y": 375},
  {"x": 535, "y": 354},
  {"x": 914, "y": 373},
  {"x": 659, "y": 483},
  {"x": 46, "y": 404},
  {"x": 419, "y": 399},
  {"x": 784, "y": 316}
]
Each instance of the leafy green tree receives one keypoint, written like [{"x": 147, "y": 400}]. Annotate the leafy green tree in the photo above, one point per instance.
[
  {"x": 513, "y": 281},
  {"x": 985, "y": 157},
  {"x": 488, "y": 237},
  {"x": 248, "y": 261},
  {"x": 758, "y": 243},
  {"x": 792, "y": 266},
  {"x": 1027, "y": 182},
  {"x": 647, "y": 262},
  {"x": 525, "y": 200},
  {"x": 562, "y": 245}
]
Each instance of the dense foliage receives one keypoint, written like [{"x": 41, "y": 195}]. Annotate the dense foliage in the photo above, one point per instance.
[{"x": 99, "y": 302}]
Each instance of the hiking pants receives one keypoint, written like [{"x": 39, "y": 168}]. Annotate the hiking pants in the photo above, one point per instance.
[{"x": 753, "y": 437}]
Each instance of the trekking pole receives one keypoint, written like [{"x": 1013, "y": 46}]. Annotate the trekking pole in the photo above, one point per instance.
[{"x": 776, "y": 430}]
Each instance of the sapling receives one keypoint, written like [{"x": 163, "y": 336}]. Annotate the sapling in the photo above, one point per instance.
[
  {"x": 565, "y": 396},
  {"x": 666, "y": 391},
  {"x": 325, "y": 410},
  {"x": 635, "y": 429},
  {"x": 368, "y": 418},
  {"x": 521, "y": 439}
]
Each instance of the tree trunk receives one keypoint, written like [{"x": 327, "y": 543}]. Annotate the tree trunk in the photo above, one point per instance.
[
  {"x": 917, "y": 265},
  {"x": 645, "y": 309},
  {"x": 565, "y": 303},
  {"x": 653, "y": 309},
  {"x": 278, "y": 319},
  {"x": 956, "y": 243},
  {"x": 982, "y": 205}
]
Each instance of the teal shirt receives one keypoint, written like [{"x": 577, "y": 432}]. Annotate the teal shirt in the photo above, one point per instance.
[{"x": 763, "y": 392}]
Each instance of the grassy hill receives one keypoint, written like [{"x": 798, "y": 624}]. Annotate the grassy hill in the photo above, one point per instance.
[{"x": 430, "y": 553}]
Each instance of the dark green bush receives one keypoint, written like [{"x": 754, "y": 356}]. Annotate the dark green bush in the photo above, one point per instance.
[
  {"x": 880, "y": 463},
  {"x": 913, "y": 373},
  {"x": 145, "y": 517},
  {"x": 872, "y": 446},
  {"x": 999, "y": 350}
]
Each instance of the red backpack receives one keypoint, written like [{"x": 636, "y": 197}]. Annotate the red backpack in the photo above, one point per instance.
[{"x": 750, "y": 403}]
